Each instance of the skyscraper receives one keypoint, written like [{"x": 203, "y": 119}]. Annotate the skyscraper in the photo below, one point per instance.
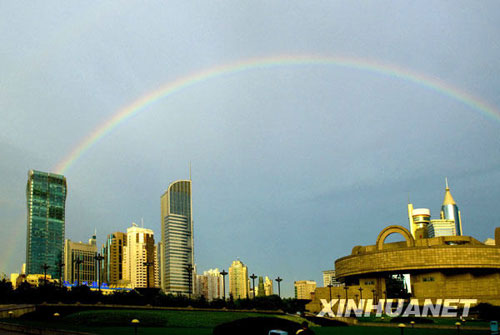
[
  {"x": 177, "y": 238},
  {"x": 449, "y": 210},
  {"x": 112, "y": 265},
  {"x": 140, "y": 258},
  {"x": 46, "y": 198},
  {"x": 238, "y": 280}
]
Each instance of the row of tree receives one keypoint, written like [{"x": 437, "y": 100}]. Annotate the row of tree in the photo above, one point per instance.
[{"x": 50, "y": 293}]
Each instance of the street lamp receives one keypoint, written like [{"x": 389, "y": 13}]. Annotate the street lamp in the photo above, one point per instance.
[
  {"x": 224, "y": 273},
  {"x": 147, "y": 265},
  {"x": 45, "y": 267},
  {"x": 279, "y": 280},
  {"x": 373, "y": 296},
  {"x": 253, "y": 276},
  {"x": 189, "y": 269},
  {"x": 346, "y": 288},
  {"x": 61, "y": 265},
  {"x": 135, "y": 323},
  {"x": 360, "y": 293},
  {"x": 77, "y": 262},
  {"x": 402, "y": 327},
  {"x": 330, "y": 288},
  {"x": 99, "y": 258}
]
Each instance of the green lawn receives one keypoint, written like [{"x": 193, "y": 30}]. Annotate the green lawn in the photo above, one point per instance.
[{"x": 201, "y": 323}]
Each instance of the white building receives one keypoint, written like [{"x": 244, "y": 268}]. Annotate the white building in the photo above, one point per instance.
[
  {"x": 209, "y": 285},
  {"x": 139, "y": 258}
]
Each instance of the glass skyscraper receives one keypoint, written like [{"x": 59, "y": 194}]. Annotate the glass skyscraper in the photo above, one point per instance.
[
  {"x": 177, "y": 239},
  {"x": 46, "y": 198}
]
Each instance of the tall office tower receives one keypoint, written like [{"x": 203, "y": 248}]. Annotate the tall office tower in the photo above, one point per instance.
[
  {"x": 140, "y": 258},
  {"x": 79, "y": 261},
  {"x": 238, "y": 280},
  {"x": 304, "y": 289},
  {"x": 268, "y": 286},
  {"x": 177, "y": 238},
  {"x": 261, "y": 292},
  {"x": 112, "y": 264},
  {"x": 449, "y": 210},
  {"x": 46, "y": 198}
]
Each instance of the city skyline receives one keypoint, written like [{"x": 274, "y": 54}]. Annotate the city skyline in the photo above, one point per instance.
[{"x": 307, "y": 125}]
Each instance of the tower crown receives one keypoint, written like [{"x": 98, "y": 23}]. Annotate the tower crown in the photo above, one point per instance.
[{"x": 448, "y": 199}]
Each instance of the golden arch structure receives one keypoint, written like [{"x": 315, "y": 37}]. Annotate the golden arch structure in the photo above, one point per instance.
[{"x": 410, "y": 241}]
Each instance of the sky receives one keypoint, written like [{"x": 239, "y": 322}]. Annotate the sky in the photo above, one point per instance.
[{"x": 294, "y": 161}]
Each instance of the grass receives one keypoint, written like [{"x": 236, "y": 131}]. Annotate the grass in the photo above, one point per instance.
[
  {"x": 151, "y": 321},
  {"x": 154, "y": 322}
]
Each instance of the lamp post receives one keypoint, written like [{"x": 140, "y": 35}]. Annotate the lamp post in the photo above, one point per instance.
[
  {"x": 135, "y": 324},
  {"x": 224, "y": 273},
  {"x": 45, "y": 267},
  {"x": 279, "y": 280},
  {"x": 330, "y": 288},
  {"x": 402, "y": 327},
  {"x": 346, "y": 288},
  {"x": 61, "y": 265},
  {"x": 99, "y": 258},
  {"x": 189, "y": 269},
  {"x": 77, "y": 262},
  {"x": 253, "y": 276},
  {"x": 373, "y": 296},
  {"x": 147, "y": 265},
  {"x": 360, "y": 293}
]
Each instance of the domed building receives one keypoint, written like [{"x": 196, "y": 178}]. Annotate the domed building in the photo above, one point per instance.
[{"x": 435, "y": 259}]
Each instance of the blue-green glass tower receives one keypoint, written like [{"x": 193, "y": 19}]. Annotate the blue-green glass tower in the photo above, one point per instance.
[{"x": 46, "y": 199}]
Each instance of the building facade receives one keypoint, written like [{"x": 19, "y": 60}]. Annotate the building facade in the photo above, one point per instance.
[
  {"x": 80, "y": 261},
  {"x": 177, "y": 239},
  {"x": 238, "y": 280},
  {"x": 46, "y": 199},
  {"x": 304, "y": 289},
  {"x": 112, "y": 264},
  {"x": 449, "y": 224},
  {"x": 268, "y": 286},
  {"x": 140, "y": 258},
  {"x": 209, "y": 285},
  {"x": 330, "y": 278}
]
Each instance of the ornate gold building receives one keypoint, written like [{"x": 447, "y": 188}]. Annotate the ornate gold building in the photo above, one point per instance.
[{"x": 443, "y": 267}]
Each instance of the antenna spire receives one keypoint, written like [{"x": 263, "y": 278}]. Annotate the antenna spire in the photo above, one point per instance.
[{"x": 446, "y": 180}]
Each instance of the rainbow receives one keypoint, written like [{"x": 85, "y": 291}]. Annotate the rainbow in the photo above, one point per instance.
[{"x": 395, "y": 71}]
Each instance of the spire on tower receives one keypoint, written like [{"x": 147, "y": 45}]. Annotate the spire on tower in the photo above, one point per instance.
[{"x": 448, "y": 199}]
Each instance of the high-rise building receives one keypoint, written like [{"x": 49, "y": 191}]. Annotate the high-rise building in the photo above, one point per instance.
[
  {"x": 268, "y": 286},
  {"x": 80, "y": 261},
  {"x": 209, "y": 285},
  {"x": 177, "y": 238},
  {"x": 261, "y": 292},
  {"x": 449, "y": 210},
  {"x": 112, "y": 264},
  {"x": 329, "y": 278},
  {"x": 140, "y": 258},
  {"x": 441, "y": 228},
  {"x": 46, "y": 198},
  {"x": 304, "y": 289},
  {"x": 421, "y": 225},
  {"x": 238, "y": 280}
]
